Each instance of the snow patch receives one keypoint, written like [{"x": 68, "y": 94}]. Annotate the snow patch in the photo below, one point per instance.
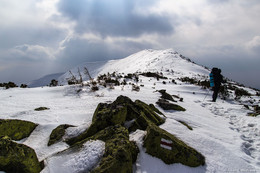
[{"x": 81, "y": 161}]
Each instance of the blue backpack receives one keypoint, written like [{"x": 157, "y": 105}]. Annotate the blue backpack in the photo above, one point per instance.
[
  {"x": 211, "y": 76},
  {"x": 211, "y": 80}
]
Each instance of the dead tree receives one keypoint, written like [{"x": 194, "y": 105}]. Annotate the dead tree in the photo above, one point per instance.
[
  {"x": 72, "y": 80},
  {"x": 80, "y": 76},
  {"x": 87, "y": 73}
]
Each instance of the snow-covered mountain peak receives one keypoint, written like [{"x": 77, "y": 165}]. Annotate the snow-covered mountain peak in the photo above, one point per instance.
[{"x": 148, "y": 60}]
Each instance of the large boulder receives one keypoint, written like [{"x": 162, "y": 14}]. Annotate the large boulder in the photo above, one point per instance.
[
  {"x": 58, "y": 133},
  {"x": 120, "y": 153},
  {"x": 123, "y": 111},
  {"x": 16, "y": 129},
  {"x": 161, "y": 144},
  {"x": 16, "y": 157}
]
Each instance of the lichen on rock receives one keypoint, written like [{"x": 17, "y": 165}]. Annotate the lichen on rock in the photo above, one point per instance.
[
  {"x": 41, "y": 108},
  {"x": 16, "y": 129},
  {"x": 159, "y": 143},
  {"x": 120, "y": 153},
  {"x": 58, "y": 133},
  {"x": 123, "y": 109},
  {"x": 16, "y": 157},
  {"x": 112, "y": 123}
]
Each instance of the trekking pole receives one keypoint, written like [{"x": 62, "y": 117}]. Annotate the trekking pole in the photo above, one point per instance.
[{"x": 206, "y": 96}]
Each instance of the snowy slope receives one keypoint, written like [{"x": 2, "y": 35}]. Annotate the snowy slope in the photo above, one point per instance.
[
  {"x": 44, "y": 81},
  {"x": 143, "y": 61},
  {"x": 222, "y": 132},
  {"x": 155, "y": 61}
]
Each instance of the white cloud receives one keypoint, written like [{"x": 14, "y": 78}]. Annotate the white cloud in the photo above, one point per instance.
[
  {"x": 31, "y": 53},
  {"x": 253, "y": 45}
]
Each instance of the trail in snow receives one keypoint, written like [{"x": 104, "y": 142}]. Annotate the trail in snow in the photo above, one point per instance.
[{"x": 247, "y": 127}]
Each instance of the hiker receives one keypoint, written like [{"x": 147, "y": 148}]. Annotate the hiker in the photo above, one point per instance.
[{"x": 215, "y": 81}]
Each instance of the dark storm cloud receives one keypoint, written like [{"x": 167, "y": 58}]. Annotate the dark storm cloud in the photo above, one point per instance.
[
  {"x": 114, "y": 17},
  {"x": 78, "y": 50},
  {"x": 19, "y": 35}
]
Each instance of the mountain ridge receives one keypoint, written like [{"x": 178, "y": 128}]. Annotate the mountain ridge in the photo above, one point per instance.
[{"x": 147, "y": 60}]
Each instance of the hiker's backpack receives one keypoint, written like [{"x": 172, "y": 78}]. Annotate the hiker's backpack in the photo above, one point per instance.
[
  {"x": 211, "y": 80},
  {"x": 211, "y": 76}
]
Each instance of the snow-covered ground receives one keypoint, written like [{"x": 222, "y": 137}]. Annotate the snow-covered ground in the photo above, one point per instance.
[{"x": 229, "y": 140}]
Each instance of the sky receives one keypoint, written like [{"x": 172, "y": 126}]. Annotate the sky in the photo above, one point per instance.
[{"x": 40, "y": 37}]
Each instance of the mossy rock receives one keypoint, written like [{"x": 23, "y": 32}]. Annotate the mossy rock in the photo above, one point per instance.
[
  {"x": 16, "y": 157},
  {"x": 155, "y": 109},
  {"x": 253, "y": 114},
  {"x": 256, "y": 108},
  {"x": 161, "y": 144},
  {"x": 148, "y": 112},
  {"x": 41, "y": 108},
  {"x": 142, "y": 122},
  {"x": 120, "y": 153},
  {"x": 119, "y": 112},
  {"x": 104, "y": 116},
  {"x": 58, "y": 133},
  {"x": 166, "y": 105},
  {"x": 147, "y": 115},
  {"x": 16, "y": 129},
  {"x": 166, "y": 96}
]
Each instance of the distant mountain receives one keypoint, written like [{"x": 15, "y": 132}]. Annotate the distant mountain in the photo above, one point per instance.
[
  {"x": 144, "y": 61},
  {"x": 45, "y": 80}
]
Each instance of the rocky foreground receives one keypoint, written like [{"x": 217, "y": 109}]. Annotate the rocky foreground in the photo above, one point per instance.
[{"x": 112, "y": 124}]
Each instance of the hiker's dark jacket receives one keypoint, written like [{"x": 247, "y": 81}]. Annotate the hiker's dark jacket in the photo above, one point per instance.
[{"x": 218, "y": 79}]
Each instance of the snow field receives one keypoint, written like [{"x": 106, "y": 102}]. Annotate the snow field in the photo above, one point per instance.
[{"x": 229, "y": 140}]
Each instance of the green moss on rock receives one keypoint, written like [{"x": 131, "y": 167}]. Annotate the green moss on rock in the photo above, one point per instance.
[
  {"x": 119, "y": 112},
  {"x": 105, "y": 115},
  {"x": 16, "y": 129},
  {"x": 149, "y": 112},
  {"x": 120, "y": 153},
  {"x": 155, "y": 109},
  {"x": 253, "y": 114},
  {"x": 16, "y": 157},
  {"x": 177, "y": 152},
  {"x": 58, "y": 133},
  {"x": 166, "y": 105},
  {"x": 41, "y": 108}
]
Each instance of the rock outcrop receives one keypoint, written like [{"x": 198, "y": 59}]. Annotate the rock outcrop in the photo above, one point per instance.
[
  {"x": 159, "y": 143},
  {"x": 16, "y": 157},
  {"x": 112, "y": 123},
  {"x": 16, "y": 129},
  {"x": 123, "y": 111},
  {"x": 120, "y": 153},
  {"x": 58, "y": 133}
]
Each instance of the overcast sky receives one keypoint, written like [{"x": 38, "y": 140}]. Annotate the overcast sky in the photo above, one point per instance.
[{"x": 39, "y": 37}]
